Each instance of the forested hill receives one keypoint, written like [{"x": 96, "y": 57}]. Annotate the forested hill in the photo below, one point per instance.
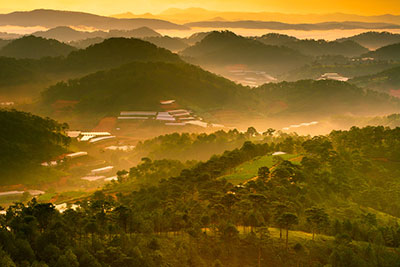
[
  {"x": 374, "y": 40},
  {"x": 35, "y": 47},
  {"x": 226, "y": 48},
  {"x": 114, "y": 52},
  {"x": 316, "y": 99},
  {"x": 388, "y": 80},
  {"x": 141, "y": 85},
  {"x": 110, "y": 53},
  {"x": 314, "y": 47},
  {"x": 390, "y": 52},
  {"x": 25, "y": 142}
]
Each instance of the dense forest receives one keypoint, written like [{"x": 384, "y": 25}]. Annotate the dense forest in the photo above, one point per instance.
[
  {"x": 337, "y": 204},
  {"x": 26, "y": 141}
]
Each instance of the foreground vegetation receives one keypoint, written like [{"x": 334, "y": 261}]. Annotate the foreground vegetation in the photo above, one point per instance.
[{"x": 339, "y": 205}]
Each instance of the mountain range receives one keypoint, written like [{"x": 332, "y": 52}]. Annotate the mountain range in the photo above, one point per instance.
[
  {"x": 186, "y": 15},
  {"x": 54, "y": 18},
  {"x": 67, "y": 34}
]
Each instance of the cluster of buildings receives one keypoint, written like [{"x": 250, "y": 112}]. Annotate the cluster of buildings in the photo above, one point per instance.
[
  {"x": 91, "y": 137},
  {"x": 333, "y": 76},
  {"x": 175, "y": 117}
]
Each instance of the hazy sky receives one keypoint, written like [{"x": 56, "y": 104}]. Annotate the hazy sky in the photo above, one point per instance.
[{"x": 107, "y": 7}]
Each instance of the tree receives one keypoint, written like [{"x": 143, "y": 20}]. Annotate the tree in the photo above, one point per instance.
[
  {"x": 287, "y": 220},
  {"x": 263, "y": 173},
  {"x": 318, "y": 218},
  {"x": 252, "y": 132}
]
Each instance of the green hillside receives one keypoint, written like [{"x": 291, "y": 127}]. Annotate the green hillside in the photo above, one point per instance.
[
  {"x": 314, "y": 47},
  {"x": 337, "y": 206},
  {"x": 226, "y": 48},
  {"x": 35, "y": 47},
  {"x": 26, "y": 141},
  {"x": 249, "y": 170}
]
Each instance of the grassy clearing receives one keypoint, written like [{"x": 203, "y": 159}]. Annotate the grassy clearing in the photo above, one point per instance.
[{"x": 249, "y": 169}]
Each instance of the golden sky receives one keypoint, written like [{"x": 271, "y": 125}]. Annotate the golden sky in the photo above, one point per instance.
[{"x": 108, "y": 7}]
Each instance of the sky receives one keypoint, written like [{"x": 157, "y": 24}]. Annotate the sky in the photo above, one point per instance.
[{"x": 108, "y": 7}]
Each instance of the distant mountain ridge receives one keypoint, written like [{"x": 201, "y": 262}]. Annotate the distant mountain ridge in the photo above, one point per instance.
[
  {"x": 54, "y": 18},
  {"x": 186, "y": 15},
  {"x": 274, "y": 25},
  {"x": 67, "y": 34}
]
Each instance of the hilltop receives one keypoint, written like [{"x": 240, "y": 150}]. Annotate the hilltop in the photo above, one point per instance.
[
  {"x": 314, "y": 47},
  {"x": 374, "y": 40},
  {"x": 33, "y": 75},
  {"x": 390, "y": 52},
  {"x": 141, "y": 85},
  {"x": 226, "y": 48},
  {"x": 35, "y": 47}
]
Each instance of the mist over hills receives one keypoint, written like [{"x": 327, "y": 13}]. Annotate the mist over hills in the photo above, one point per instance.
[
  {"x": 35, "y": 47},
  {"x": 274, "y": 25},
  {"x": 132, "y": 87},
  {"x": 67, "y": 34},
  {"x": 226, "y": 48},
  {"x": 314, "y": 47},
  {"x": 316, "y": 99},
  {"x": 374, "y": 40}
]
